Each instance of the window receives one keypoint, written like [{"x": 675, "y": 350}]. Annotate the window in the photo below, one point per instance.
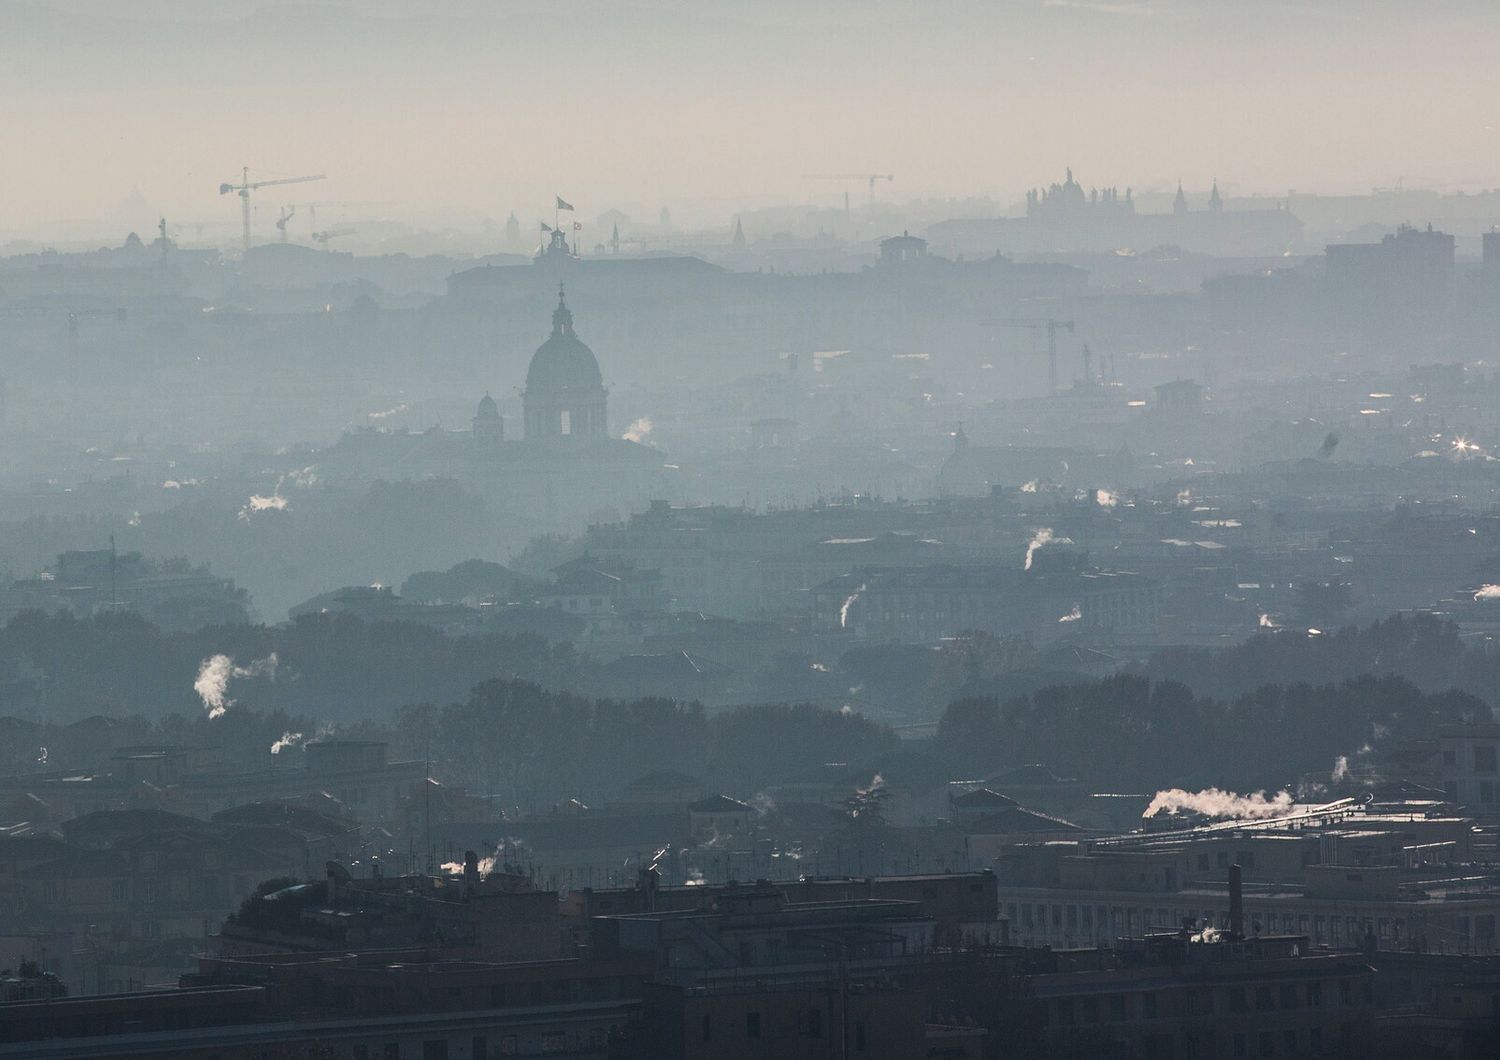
[
  {"x": 1486, "y": 791},
  {"x": 1237, "y": 999},
  {"x": 1289, "y": 1042},
  {"x": 1484, "y": 759},
  {"x": 1289, "y": 996},
  {"x": 859, "y": 1036},
  {"x": 391, "y": 1051},
  {"x": 1315, "y": 1040},
  {"x": 119, "y": 891},
  {"x": 556, "y": 1042},
  {"x": 1263, "y": 999},
  {"x": 708, "y": 1028},
  {"x": 1267, "y": 1044},
  {"x": 1314, "y": 995},
  {"x": 435, "y": 1049},
  {"x": 1240, "y": 1045},
  {"x": 479, "y": 1047},
  {"x": 1148, "y": 1005},
  {"x": 810, "y": 1023},
  {"x": 1117, "y": 1007},
  {"x": 1450, "y": 758},
  {"x": 752, "y": 1025}
]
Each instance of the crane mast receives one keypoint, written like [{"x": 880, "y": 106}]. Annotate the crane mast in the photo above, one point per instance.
[
  {"x": 246, "y": 186},
  {"x": 1051, "y": 327}
]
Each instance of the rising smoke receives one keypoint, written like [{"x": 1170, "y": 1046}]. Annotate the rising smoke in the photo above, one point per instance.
[
  {"x": 288, "y": 739},
  {"x": 1039, "y": 539},
  {"x": 848, "y": 603},
  {"x": 1212, "y": 802},
  {"x": 215, "y": 673}
]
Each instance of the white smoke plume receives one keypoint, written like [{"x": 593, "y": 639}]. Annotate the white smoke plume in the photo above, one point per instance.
[
  {"x": 215, "y": 673},
  {"x": 42, "y": 755},
  {"x": 1184, "y": 498},
  {"x": 844, "y": 611},
  {"x": 639, "y": 430},
  {"x": 1029, "y": 487},
  {"x": 1341, "y": 768},
  {"x": 1043, "y": 537},
  {"x": 1073, "y": 615},
  {"x": 260, "y": 503},
  {"x": 1267, "y": 622},
  {"x": 1106, "y": 498},
  {"x": 1488, "y": 592},
  {"x": 303, "y": 477},
  {"x": 388, "y": 413},
  {"x": 288, "y": 739},
  {"x": 1212, "y": 802}
]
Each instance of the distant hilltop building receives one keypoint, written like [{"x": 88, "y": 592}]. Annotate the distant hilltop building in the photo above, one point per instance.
[
  {"x": 1069, "y": 198},
  {"x": 1064, "y": 218}
]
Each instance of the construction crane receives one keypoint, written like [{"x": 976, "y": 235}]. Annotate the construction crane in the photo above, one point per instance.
[
  {"x": 1051, "y": 327},
  {"x": 871, "y": 178},
  {"x": 312, "y": 207},
  {"x": 322, "y": 238},
  {"x": 286, "y": 215},
  {"x": 246, "y": 186}
]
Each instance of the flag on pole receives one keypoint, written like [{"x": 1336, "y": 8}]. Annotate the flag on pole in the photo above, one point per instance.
[
  {"x": 546, "y": 227},
  {"x": 562, "y": 204}
]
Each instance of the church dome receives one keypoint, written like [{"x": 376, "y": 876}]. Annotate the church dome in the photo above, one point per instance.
[
  {"x": 563, "y": 362},
  {"x": 488, "y": 410}
]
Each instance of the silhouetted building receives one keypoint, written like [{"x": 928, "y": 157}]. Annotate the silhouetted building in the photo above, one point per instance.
[
  {"x": 1405, "y": 281},
  {"x": 564, "y": 396}
]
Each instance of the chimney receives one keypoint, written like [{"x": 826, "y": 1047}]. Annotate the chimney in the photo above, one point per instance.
[
  {"x": 1236, "y": 903},
  {"x": 471, "y": 871},
  {"x": 650, "y": 879}
]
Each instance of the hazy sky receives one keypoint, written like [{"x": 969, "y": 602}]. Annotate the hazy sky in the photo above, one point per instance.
[{"x": 468, "y": 108}]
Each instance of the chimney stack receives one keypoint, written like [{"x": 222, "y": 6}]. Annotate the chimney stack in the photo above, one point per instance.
[
  {"x": 471, "y": 871},
  {"x": 1236, "y": 903}
]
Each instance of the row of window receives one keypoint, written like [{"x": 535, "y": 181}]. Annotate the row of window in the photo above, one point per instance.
[
  {"x": 483, "y": 1047},
  {"x": 1042, "y": 923},
  {"x": 810, "y": 1024},
  {"x": 1149, "y": 1005},
  {"x": 1486, "y": 758}
]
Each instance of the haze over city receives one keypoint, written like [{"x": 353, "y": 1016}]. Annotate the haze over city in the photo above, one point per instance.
[
  {"x": 462, "y": 110},
  {"x": 671, "y": 531}
]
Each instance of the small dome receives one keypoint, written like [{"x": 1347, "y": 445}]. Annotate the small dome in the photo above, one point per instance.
[
  {"x": 563, "y": 362},
  {"x": 488, "y": 410}
]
